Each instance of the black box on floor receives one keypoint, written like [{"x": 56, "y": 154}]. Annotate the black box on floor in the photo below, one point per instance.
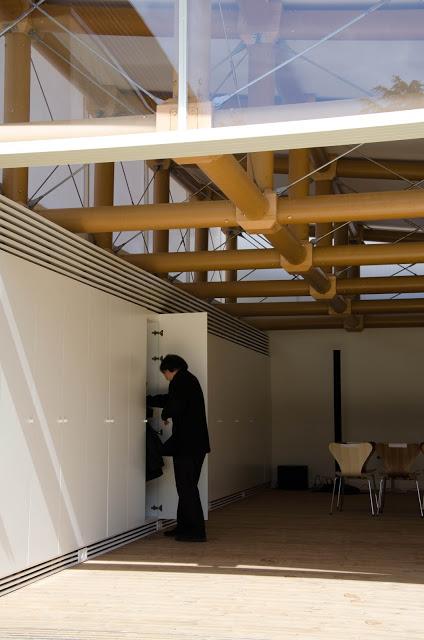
[{"x": 292, "y": 477}]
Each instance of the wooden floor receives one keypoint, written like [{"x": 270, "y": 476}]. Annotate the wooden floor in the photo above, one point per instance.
[{"x": 276, "y": 566}]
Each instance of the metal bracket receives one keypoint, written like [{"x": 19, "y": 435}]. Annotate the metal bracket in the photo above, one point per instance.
[
  {"x": 155, "y": 358},
  {"x": 302, "y": 267},
  {"x": 154, "y": 165},
  {"x": 268, "y": 223},
  {"x": 157, "y": 333},
  {"x": 156, "y": 508}
]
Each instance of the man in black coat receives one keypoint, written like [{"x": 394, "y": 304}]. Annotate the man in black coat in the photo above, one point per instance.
[{"x": 188, "y": 445}]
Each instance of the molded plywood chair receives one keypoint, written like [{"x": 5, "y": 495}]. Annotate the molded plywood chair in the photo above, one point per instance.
[
  {"x": 352, "y": 458},
  {"x": 398, "y": 458}
]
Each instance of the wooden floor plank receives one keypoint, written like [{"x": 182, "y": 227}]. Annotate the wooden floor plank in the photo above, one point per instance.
[{"x": 276, "y": 566}]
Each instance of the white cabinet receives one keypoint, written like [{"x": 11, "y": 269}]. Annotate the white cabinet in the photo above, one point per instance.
[
  {"x": 17, "y": 331},
  {"x": 46, "y": 443},
  {"x": 136, "y": 465},
  {"x": 73, "y": 420},
  {"x": 72, "y": 410},
  {"x": 184, "y": 334},
  {"x": 115, "y": 452},
  {"x": 117, "y": 417},
  {"x": 239, "y": 417},
  {"x": 96, "y": 453}
]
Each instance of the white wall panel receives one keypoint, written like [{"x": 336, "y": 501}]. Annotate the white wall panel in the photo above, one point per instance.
[
  {"x": 119, "y": 374},
  {"x": 239, "y": 417},
  {"x": 72, "y": 359},
  {"x": 96, "y": 454},
  {"x": 136, "y": 419},
  {"x": 46, "y": 446},
  {"x": 16, "y": 419},
  {"x": 74, "y": 415}
]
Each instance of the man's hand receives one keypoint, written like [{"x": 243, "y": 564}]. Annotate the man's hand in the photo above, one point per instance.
[{"x": 165, "y": 422}]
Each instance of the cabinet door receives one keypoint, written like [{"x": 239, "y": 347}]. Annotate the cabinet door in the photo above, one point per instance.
[
  {"x": 74, "y": 415},
  {"x": 97, "y": 460},
  {"x": 46, "y": 448},
  {"x": 154, "y": 384},
  {"x": 186, "y": 335},
  {"x": 17, "y": 411},
  {"x": 119, "y": 374},
  {"x": 136, "y": 467}
]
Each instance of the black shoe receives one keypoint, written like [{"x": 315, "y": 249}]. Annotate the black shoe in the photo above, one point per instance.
[
  {"x": 172, "y": 532},
  {"x": 181, "y": 537}
]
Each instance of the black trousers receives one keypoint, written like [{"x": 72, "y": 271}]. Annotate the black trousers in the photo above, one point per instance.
[{"x": 190, "y": 519}]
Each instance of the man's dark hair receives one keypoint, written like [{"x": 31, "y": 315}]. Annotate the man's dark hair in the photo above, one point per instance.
[{"x": 172, "y": 362}]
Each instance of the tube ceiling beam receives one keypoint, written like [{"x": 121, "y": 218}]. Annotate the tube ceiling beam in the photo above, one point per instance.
[
  {"x": 363, "y": 168},
  {"x": 369, "y": 322},
  {"x": 222, "y": 213},
  {"x": 146, "y": 217},
  {"x": 408, "y": 253},
  {"x": 283, "y": 288},
  {"x": 255, "y": 309},
  {"x": 17, "y": 92},
  {"x": 257, "y": 213}
]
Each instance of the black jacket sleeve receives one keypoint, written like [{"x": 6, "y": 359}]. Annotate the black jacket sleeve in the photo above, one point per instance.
[
  {"x": 157, "y": 401},
  {"x": 177, "y": 401}
]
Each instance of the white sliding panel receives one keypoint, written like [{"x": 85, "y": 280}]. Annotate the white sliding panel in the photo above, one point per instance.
[
  {"x": 72, "y": 411},
  {"x": 239, "y": 418},
  {"x": 136, "y": 466},
  {"x": 119, "y": 372},
  {"x": 17, "y": 417},
  {"x": 155, "y": 384},
  {"x": 74, "y": 415},
  {"x": 96, "y": 455},
  {"x": 46, "y": 447},
  {"x": 185, "y": 334}
]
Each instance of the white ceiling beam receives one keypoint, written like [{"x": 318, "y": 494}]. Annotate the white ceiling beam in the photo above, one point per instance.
[{"x": 119, "y": 139}]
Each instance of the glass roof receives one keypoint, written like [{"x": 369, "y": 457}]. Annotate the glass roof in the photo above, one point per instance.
[
  {"x": 252, "y": 61},
  {"x": 275, "y": 61},
  {"x": 107, "y": 58}
]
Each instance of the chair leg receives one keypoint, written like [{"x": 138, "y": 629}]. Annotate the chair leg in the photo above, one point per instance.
[
  {"x": 420, "y": 502},
  {"x": 376, "y": 496},
  {"x": 380, "y": 496},
  {"x": 332, "y": 497},
  {"x": 341, "y": 480},
  {"x": 371, "y": 500}
]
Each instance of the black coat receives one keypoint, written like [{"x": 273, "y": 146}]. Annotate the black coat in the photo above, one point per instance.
[
  {"x": 154, "y": 461},
  {"x": 184, "y": 403}
]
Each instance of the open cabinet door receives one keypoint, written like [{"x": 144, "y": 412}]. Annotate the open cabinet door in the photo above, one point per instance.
[{"x": 185, "y": 334}]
